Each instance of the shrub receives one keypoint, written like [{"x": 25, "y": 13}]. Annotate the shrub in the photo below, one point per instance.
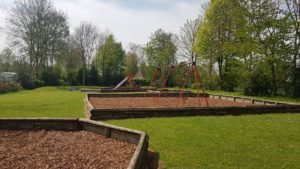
[
  {"x": 32, "y": 84},
  {"x": 9, "y": 87},
  {"x": 258, "y": 84},
  {"x": 53, "y": 76},
  {"x": 141, "y": 82}
]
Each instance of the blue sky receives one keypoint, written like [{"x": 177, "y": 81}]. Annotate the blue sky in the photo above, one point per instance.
[{"x": 130, "y": 20}]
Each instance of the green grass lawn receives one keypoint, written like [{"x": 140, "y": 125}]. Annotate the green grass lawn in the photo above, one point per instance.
[
  {"x": 57, "y": 102},
  {"x": 256, "y": 141}
]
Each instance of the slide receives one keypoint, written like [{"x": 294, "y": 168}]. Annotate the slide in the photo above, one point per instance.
[{"x": 121, "y": 83}]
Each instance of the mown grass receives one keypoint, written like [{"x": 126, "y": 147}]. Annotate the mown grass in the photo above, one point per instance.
[
  {"x": 57, "y": 102},
  {"x": 257, "y": 141}
]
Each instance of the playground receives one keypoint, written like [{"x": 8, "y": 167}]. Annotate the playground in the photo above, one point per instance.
[{"x": 184, "y": 142}]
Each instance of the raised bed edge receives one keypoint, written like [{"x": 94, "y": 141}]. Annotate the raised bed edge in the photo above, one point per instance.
[
  {"x": 258, "y": 107},
  {"x": 247, "y": 99},
  {"x": 138, "y": 160}
]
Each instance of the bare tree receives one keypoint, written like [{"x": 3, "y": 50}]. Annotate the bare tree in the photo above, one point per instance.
[
  {"x": 187, "y": 38},
  {"x": 36, "y": 28},
  {"x": 85, "y": 38},
  {"x": 138, "y": 50}
]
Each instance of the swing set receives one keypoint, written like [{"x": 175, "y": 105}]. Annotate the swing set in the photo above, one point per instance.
[{"x": 164, "y": 74}]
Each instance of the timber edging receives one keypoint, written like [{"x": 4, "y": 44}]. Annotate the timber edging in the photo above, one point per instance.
[
  {"x": 257, "y": 107},
  {"x": 139, "y": 158}
]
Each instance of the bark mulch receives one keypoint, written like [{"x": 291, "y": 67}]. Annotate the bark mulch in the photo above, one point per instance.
[
  {"x": 60, "y": 149},
  {"x": 163, "y": 102}
]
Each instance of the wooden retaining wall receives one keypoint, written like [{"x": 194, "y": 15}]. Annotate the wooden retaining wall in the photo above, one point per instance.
[
  {"x": 258, "y": 107},
  {"x": 247, "y": 100},
  {"x": 139, "y": 159}
]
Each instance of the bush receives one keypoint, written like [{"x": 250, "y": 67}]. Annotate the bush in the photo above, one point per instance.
[
  {"x": 141, "y": 82},
  {"x": 9, "y": 87},
  {"x": 258, "y": 84},
  {"x": 32, "y": 84},
  {"x": 53, "y": 76}
]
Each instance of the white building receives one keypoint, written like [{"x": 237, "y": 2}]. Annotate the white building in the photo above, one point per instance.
[{"x": 8, "y": 77}]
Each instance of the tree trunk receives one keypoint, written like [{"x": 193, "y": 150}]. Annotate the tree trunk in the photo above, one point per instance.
[{"x": 274, "y": 82}]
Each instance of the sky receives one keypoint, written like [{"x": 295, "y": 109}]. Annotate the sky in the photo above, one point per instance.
[{"x": 131, "y": 21}]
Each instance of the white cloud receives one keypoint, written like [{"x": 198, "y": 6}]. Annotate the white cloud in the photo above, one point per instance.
[{"x": 129, "y": 24}]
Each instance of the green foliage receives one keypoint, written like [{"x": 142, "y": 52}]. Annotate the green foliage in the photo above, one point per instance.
[
  {"x": 53, "y": 76},
  {"x": 72, "y": 77},
  {"x": 94, "y": 78},
  {"x": 141, "y": 82},
  {"x": 131, "y": 64},
  {"x": 258, "y": 83},
  {"x": 32, "y": 84},
  {"x": 253, "y": 44},
  {"x": 220, "y": 38},
  {"x": 160, "y": 50},
  {"x": 110, "y": 61}
]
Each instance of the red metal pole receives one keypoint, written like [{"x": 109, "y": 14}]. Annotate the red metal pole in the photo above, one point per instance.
[
  {"x": 202, "y": 87},
  {"x": 182, "y": 89},
  {"x": 165, "y": 83},
  {"x": 153, "y": 77},
  {"x": 197, "y": 83}
]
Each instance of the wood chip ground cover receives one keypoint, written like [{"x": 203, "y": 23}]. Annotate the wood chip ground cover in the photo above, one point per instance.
[
  {"x": 163, "y": 102},
  {"x": 60, "y": 149}
]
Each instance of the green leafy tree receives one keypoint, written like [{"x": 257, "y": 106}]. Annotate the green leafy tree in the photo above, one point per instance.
[
  {"x": 292, "y": 11},
  {"x": 217, "y": 39},
  {"x": 110, "y": 61},
  {"x": 160, "y": 50},
  {"x": 271, "y": 30},
  {"x": 131, "y": 64}
]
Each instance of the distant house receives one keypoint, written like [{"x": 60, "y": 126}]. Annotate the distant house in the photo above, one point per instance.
[{"x": 8, "y": 77}]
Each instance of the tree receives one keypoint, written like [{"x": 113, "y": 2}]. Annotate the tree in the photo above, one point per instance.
[
  {"x": 292, "y": 10},
  {"x": 255, "y": 41},
  {"x": 160, "y": 50},
  {"x": 110, "y": 61},
  {"x": 218, "y": 37},
  {"x": 85, "y": 39},
  {"x": 270, "y": 29},
  {"x": 7, "y": 58},
  {"x": 38, "y": 30},
  {"x": 188, "y": 37},
  {"x": 131, "y": 64}
]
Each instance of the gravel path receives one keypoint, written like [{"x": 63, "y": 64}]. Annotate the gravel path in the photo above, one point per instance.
[{"x": 59, "y": 149}]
